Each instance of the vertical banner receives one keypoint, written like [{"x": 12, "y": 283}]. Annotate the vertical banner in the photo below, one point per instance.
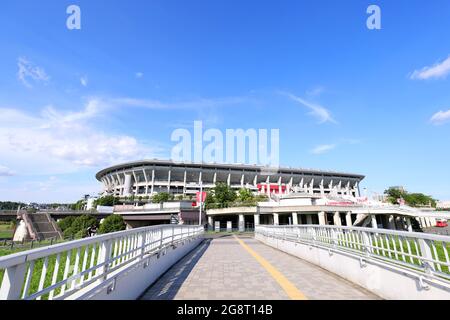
[{"x": 200, "y": 197}]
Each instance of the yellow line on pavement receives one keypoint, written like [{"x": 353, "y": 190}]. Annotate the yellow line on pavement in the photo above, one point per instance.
[{"x": 287, "y": 286}]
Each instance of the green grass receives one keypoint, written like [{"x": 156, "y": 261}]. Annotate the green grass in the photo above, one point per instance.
[
  {"x": 386, "y": 247},
  {"x": 6, "y": 232},
  {"x": 51, "y": 265}
]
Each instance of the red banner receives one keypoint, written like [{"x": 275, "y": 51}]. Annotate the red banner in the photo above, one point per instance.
[{"x": 202, "y": 197}]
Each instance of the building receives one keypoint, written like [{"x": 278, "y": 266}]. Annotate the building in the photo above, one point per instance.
[
  {"x": 443, "y": 205},
  {"x": 147, "y": 177}
]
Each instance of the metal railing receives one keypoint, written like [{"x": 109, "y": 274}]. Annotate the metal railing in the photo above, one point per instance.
[
  {"x": 426, "y": 254},
  {"x": 58, "y": 271}
]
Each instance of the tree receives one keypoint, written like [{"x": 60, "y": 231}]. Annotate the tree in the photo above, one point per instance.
[
  {"x": 394, "y": 194},
  {"x": 161, "y": 197},
  {"x": 112, "y": 223},
  {"x": 108, "y": 201},
  {"x": 221, "y": 195},
  {"x": 78, "y": 205},
  {"x": 245, "y": 195},
  {"x": 8, "y": 205},
  {"x": 80, "y": 225},
  {"x": 411, "y": 199},
  {"x": 66, "y": 223}
]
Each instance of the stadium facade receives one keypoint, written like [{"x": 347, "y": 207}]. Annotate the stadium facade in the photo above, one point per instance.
[{"x": 148, "y": 177}]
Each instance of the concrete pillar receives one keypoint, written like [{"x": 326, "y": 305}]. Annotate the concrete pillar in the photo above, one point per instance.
[
  {"x": 408, "y": 224},
  {"x": 392, "y": 222},
  {"x": 152, "y": 190},
  {"x": 210, "y": 222},
  {"x": 241, "y": 223},
  {"x": 127, "y": 185},
  {"x": 294, "y": 218},
  {"x": 322, "y": 220},
  {"x": 256, "y": 218},
  {"x": 348, "y": 219},
  {"x": 433, "y": 221},
  {"x": 374, "y": 221},
  {"x": 276, "y": 221},
  {"x": 337, "y": 219},
  {"x": 309, "y": 219},
  {"x": 169, "y": 180}
]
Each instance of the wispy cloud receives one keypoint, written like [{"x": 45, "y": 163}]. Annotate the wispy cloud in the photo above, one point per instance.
[
  {"x": 29, "y": 71},
  {"x": 440, "y": 117},
  {"x": 6, "y": 172},
  {"x": 323, "y": 148},
  {"x": 316, "y": 91},
  {"x": 139, "y": 75},
  {"x": 84, "y": 81},
  {"x": 197, "y": 103},
  {"x": 316, "y": 110},
  {"x": 438, "y": 70}
]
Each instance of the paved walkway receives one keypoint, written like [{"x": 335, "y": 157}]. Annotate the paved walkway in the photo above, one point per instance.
[{"x": 229, "y": 268}]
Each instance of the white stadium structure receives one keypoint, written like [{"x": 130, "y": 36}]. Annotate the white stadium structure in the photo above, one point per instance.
[
  {"x": 148, "y": 177},
  {"x": 294, "y": 196}
]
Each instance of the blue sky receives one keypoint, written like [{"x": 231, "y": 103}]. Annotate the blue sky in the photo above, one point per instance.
[{"x": 346, "y": 98}]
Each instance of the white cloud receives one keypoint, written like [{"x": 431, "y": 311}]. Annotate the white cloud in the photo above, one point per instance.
[
  {"x": 438, "y": 70},
  {"x": 197, "y": 103},
  {"x": 440, "y": 117},
  {"x": 316, "y": 91},
  {"x": 67, "y": 137},
  {"x": 84, "y": 81},
  {"x": 323, "y": 148},
  {"x": 27, "y": 71},
  {"x": 139, "y": 75},
  {"x": 6, "y": 172},
  {"x": 316, "y": 110}
]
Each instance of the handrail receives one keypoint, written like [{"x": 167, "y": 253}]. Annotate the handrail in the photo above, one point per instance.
[
  {"x": 426, "y": 254},
  {"x": 60, "y": 270}
]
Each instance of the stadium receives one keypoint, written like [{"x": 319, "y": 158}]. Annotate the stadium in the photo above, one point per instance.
[{"x": 148, "y": 177}]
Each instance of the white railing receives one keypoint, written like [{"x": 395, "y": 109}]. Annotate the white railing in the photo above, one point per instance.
[
  {"x": 423, "y": 253},
  {"x": 58, "y": 271}
]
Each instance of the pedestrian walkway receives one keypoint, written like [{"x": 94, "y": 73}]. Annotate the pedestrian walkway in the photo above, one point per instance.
[{"x": 229, "y": 268}]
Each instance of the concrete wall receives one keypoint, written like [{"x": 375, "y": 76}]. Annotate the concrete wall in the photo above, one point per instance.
[
  {"x": 133, "y": 280},
  {"x": 386, "y": 281}
]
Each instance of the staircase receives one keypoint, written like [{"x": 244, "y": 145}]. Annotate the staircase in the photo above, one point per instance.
[{"x": 43, "y": 226}]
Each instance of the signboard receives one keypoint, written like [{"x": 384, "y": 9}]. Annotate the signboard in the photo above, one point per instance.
[
  {"x": 217, "y": 226},
  {"x": 229, "y": 226},
  {"x": 105, "y": 209},
  {"x": 339, "y": 203}
]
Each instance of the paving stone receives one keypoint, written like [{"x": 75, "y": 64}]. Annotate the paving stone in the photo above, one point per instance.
[{"x": 221, "y": 269}]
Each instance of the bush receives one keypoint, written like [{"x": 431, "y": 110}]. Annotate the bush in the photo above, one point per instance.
[
  {"x": 112, "y": 223},
  {"x": 66, "y": 223},
  {"x": 161, "y": 197},
  {"x": 79, "y": 226},
  {"x": 108, "y": 201}
]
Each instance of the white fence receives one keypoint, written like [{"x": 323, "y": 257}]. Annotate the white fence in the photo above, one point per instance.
[
  {"x": 393, "y": 264},
  {"x": 64, "y": 270}
]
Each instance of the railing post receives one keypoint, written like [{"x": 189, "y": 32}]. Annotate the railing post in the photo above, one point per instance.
[
  {"x": 12, "y": 282},
  {"x": 425, "y": 250},
  {"x": 104, "y": 257},
  {"x": 161, "y": 241},
  {"x": 143, "y": 234},
  {"x": 367, "y": 243},
  {"x": 173, "y": 234},
  {"x": 334, "y": 237}
]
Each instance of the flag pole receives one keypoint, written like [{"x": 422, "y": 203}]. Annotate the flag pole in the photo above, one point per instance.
[{"x": 201, "y": 204}]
